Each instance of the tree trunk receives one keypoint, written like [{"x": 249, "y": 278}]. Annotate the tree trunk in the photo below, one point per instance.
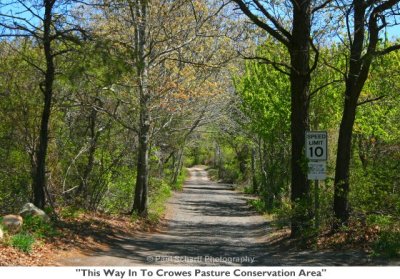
[
  {"x": 139, "y": 14},
  {"x": 141, "y": 189},
  {"x": 268, "y": 178},
  {"x": 358, "y": 74},
  {"x": 83, "y": 188},
  {"x": 253, "y": 171},
  {"x": 242, "y": 154},
  {"x": 142, "y": 179},
  {"x": 39, "y": 181},
  {"x": 215, "y": 161},
  {"x": 177, "y": 166},
  {"x": 300, "y": 82},
  {"x": 363, "y": 148},
  {"x": 263, "y": 182},
  {"x": 341, "y": 205}
]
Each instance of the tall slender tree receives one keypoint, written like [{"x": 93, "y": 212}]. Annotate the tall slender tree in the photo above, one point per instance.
[
  {"x": 139, "y": 12},
  {"x": 366, "y": 19},
  {"x": 39, "y": 22},
  {"x": 298, "y": 42},
  {"x": 158, "y": 36}
]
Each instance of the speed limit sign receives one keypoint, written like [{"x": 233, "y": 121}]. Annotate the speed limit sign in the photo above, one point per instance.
[{"x": 316, "y": 145}]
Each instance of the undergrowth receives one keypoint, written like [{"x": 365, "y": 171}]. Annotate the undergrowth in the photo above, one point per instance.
[{"x": 23, "y": 241}]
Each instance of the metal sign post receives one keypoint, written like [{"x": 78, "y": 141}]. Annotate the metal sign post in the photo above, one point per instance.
[{"x": 316, "y": 149}]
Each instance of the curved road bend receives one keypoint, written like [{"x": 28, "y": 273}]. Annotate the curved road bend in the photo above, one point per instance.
[{"x": 208, "y": 224}]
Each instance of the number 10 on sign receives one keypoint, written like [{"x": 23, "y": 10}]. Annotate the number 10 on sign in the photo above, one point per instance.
[{"x": 316, "y": 145}]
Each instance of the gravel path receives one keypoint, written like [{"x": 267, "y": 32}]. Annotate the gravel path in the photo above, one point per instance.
[{"x": 209, "y": 224}]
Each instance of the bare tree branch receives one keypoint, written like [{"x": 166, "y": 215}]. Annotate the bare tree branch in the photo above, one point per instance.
[
  {"x": 314, "y": 92},
  {"x": 277, "y": 65},
  {"x": 370, "y": 100},
  {"x": 277, "y": 35},
  {"x": 273, "y": 20},
  {"x": 387, "y": 50},
  {"x": 322, "y": 6}
]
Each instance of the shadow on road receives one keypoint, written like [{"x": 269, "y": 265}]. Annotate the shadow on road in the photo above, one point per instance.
[{"x": 210, "y": 224}]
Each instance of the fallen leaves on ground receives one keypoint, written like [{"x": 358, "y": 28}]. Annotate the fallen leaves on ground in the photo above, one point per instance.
[
  {"x": 88, "y": 232},
  {"x": 41, "y": 255},
  {"x": 356, "y": 236}
]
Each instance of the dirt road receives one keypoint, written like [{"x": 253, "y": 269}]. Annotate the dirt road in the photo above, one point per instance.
[{"x": 209, "y": 224}]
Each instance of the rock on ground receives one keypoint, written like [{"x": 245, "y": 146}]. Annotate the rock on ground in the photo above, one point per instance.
[
  {"x": 1, "y": 234},
  {"x": 13, "y": 223},
  {"x": 29, "y": 209}
]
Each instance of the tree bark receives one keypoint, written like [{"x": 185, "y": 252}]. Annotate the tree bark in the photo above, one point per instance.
[
  {"x": 142, "y": 179},
  {"x": 300, "y": 82},
  {"x": 262, "y": 155},
  {"x": 139, "y": 14},
  {"x": 39, "y": 181},
  {"x": 253, "y": 171},
  {"x": 341, "y": 204},
  {"x": 177, "y": 166},
  {"x": 298, "y": 45},
  {"x": 358, "y": 73}
]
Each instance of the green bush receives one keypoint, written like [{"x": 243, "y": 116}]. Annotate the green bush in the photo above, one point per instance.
[
  {"x": 282, "y": 215},
  {"x": 229, "y": 173},
  {"x": 159, "y": 192},
  {"x": 379, "y": 220},
  {"x": 178, "y": 185},
  {"x": 23, "y": 242},
  {"x": 258, "y": 205},
  {"x": 248, "y": 190},
  {"x": 387, "y": 244},
  {"x": 70, "y": 212},
  {"x": 38, "y": 227},
  {"x": 119, "y": 195}
]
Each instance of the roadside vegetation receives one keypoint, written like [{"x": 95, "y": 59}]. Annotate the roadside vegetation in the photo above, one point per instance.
[{"x": 253, "y": 152}]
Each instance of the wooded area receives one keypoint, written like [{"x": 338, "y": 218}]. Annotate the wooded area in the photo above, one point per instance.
[{"x": 104, "y": 103}]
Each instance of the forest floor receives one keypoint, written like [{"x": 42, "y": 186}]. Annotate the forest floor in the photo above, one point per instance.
[
  {"x": 206, "y": 224},
  {"x": 89, "y": 232}
]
